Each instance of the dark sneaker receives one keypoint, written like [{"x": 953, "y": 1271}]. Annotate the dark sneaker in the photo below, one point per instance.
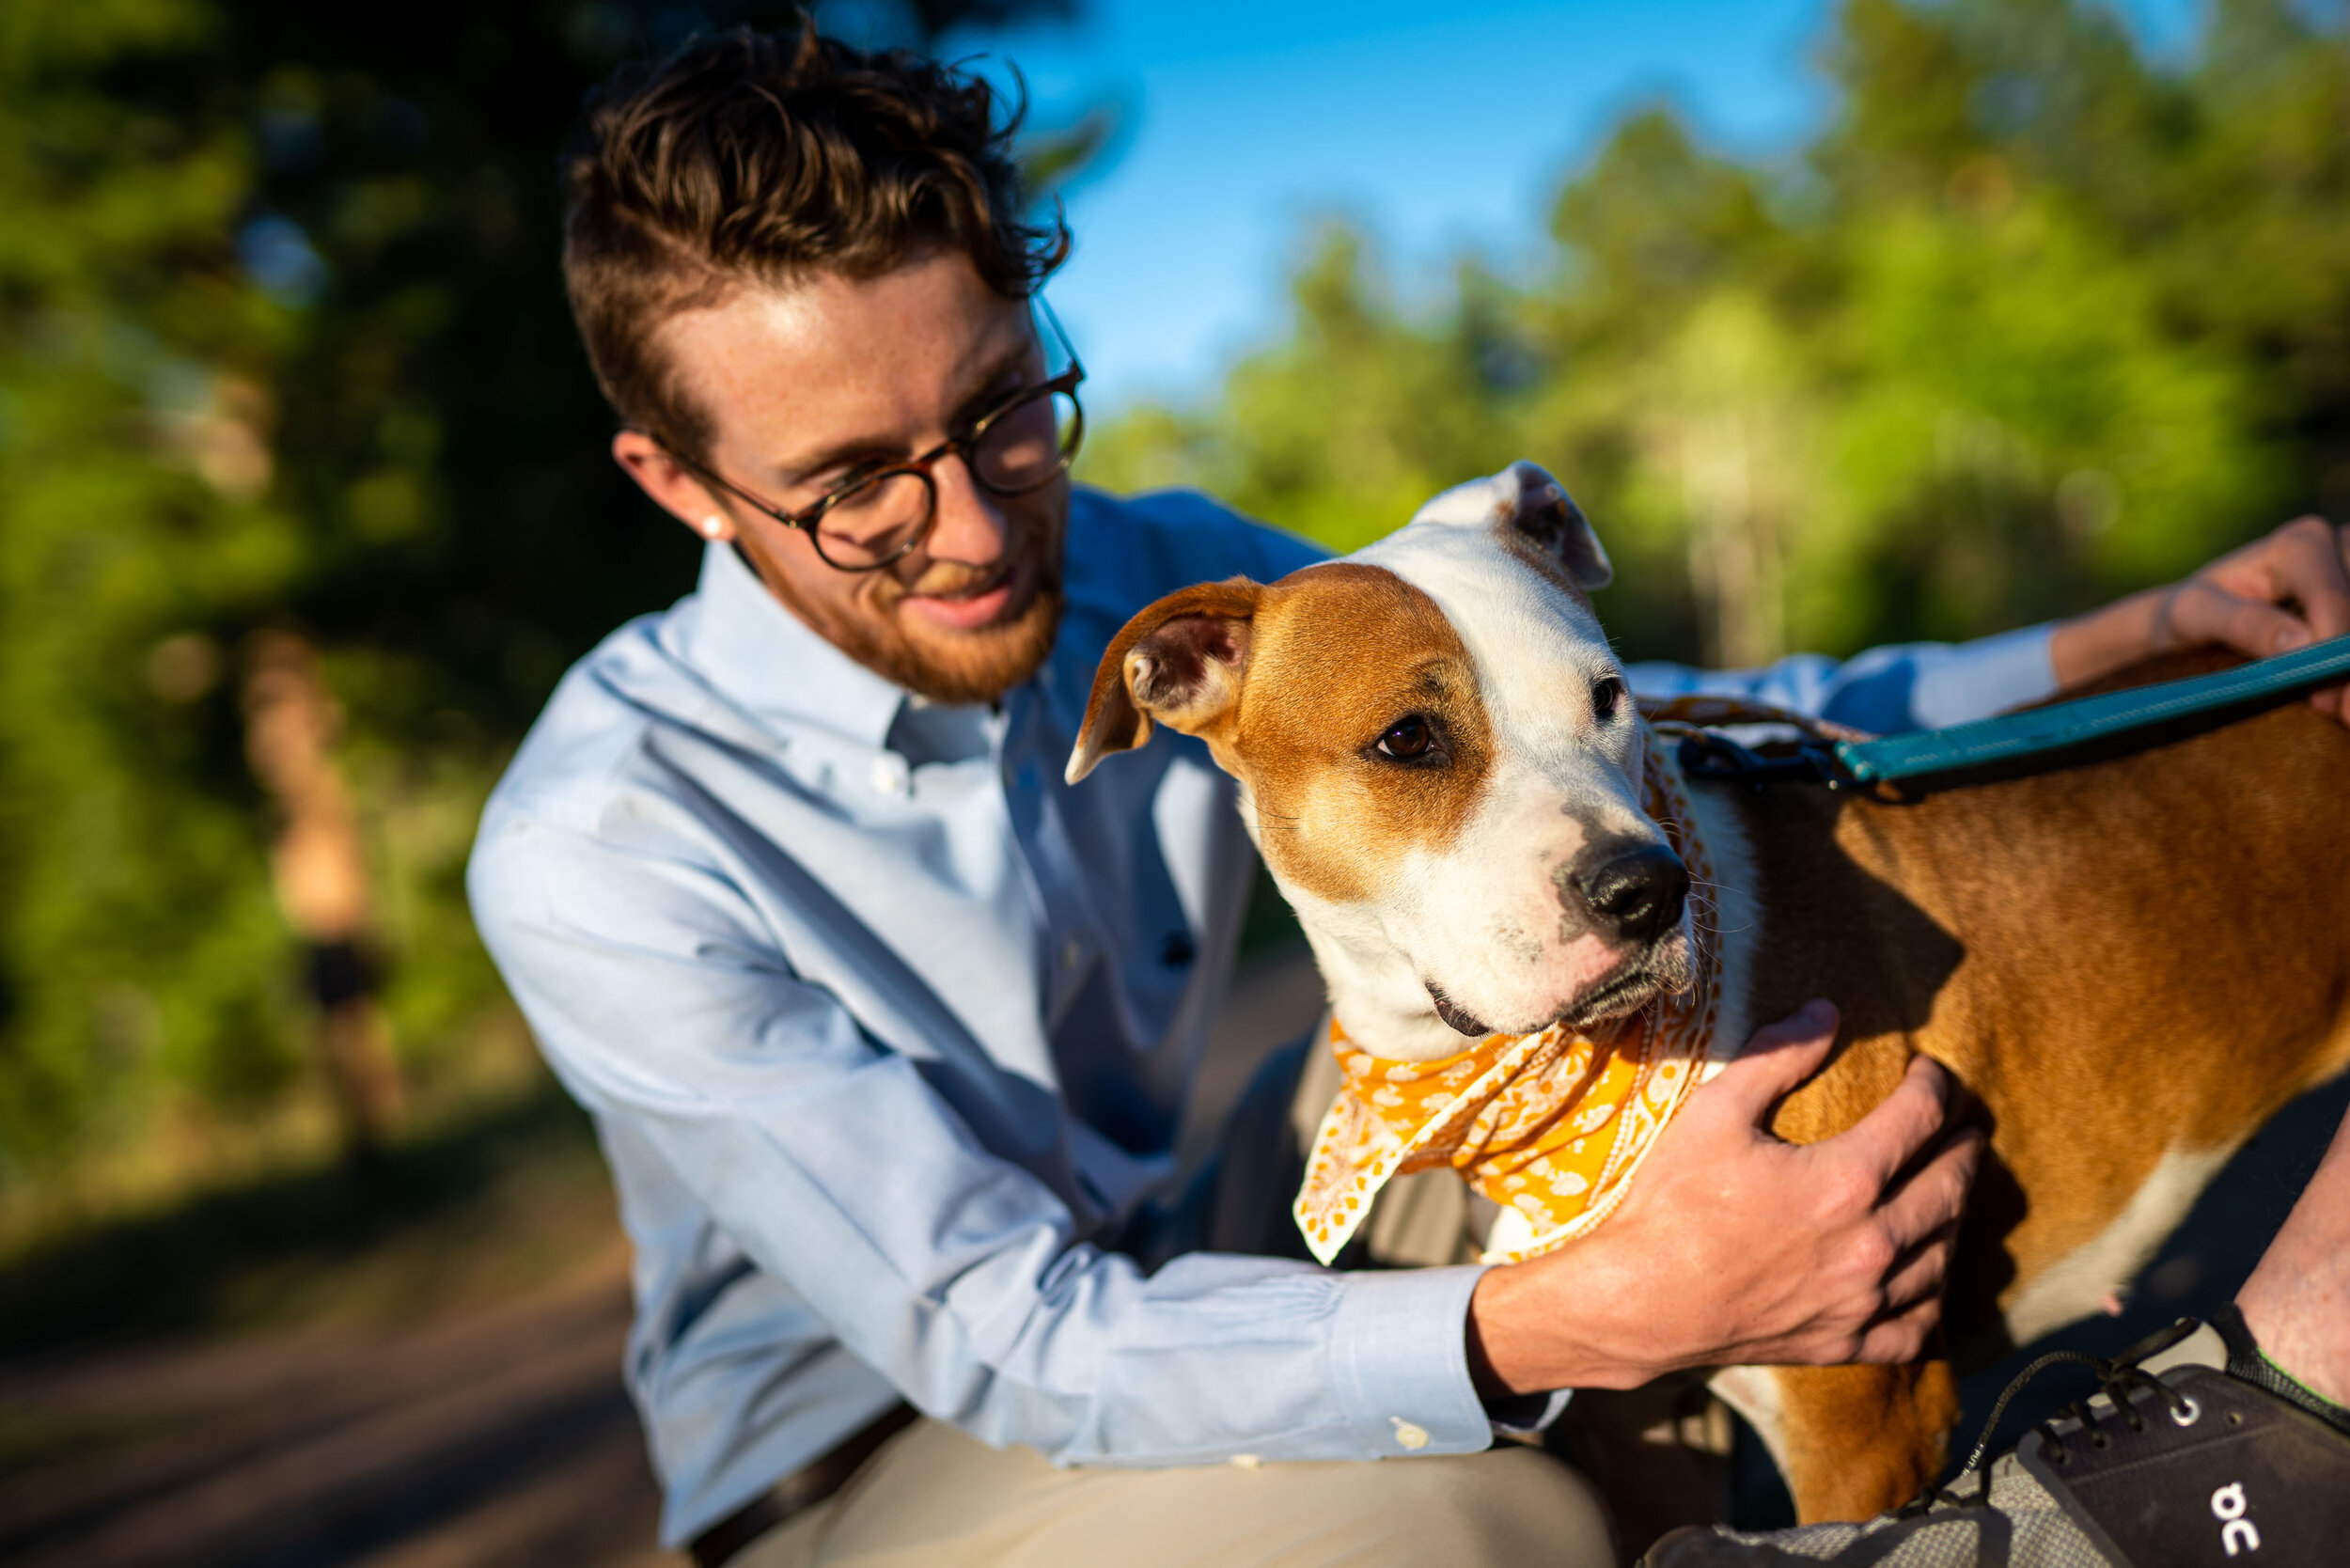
[{"x": 2175, "y": 1464}]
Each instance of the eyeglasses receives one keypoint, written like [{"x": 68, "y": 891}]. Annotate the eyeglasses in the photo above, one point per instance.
[{"x": 1020, "y": 445}]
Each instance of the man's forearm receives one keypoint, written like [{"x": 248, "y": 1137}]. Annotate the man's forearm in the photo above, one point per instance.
[
  {"x": 2276, "y": 593},
  {"x": 2111, "y": 638},
  {"x": 1521, "y": 1343}
]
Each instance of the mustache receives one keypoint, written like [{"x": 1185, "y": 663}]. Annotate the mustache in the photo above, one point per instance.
[
  {"x": 958, "y": 579},
  {"x": 961, "y": 580}
]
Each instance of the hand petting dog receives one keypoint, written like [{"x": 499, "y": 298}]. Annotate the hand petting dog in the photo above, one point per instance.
[
  {"x": 2282, "y": 591},
  {"x": 1738, "y": 1248}
]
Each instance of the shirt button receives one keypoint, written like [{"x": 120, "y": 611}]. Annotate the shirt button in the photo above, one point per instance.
[
  {"x": 1071, "y": 952},
  {"x": 1410, "y": 1434},
  {"x": 889, "y": 773}
]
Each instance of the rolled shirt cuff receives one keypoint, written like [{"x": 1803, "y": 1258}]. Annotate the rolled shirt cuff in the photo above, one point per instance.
[
  {"x": 1988, "y": 676},
  {"x": 1399, "y": 1362}
]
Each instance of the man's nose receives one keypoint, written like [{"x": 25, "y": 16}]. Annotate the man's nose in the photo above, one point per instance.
[
  {"x": 970, "y": 527},
  {"x": 1633, "y": 892}
]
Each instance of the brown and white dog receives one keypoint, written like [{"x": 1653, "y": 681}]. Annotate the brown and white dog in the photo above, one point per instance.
[{"x": 2130, "y": 966}]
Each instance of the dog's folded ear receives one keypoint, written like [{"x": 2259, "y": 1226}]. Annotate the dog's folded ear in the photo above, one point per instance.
[
  {"x": 1525, "y": 502},
  {"x": 1179, "y": 662}
]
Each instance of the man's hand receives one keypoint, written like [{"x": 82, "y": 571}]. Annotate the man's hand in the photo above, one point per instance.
[
  {"x": 1735, "y": 1248},
  {"x": 2276, "y": 594}
]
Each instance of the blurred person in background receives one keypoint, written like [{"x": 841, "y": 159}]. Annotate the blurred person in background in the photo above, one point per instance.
[
  {"x": 319, "y": 871},
  {"x": 886, "y": 1031}
]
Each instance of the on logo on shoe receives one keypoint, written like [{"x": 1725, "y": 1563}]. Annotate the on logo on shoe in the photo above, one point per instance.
[{"x": 2236, "y": 1532}]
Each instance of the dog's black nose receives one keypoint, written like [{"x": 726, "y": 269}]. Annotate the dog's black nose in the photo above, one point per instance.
[{"x": 1633, "y": 896}]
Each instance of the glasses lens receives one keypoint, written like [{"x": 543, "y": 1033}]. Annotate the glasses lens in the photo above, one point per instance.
[
  {"x": 873, "y": 523},
  {"x": 1028, "y": 443}
]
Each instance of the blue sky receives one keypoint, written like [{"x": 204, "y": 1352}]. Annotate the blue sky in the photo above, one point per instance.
[{"x": 1439, "y": 127}]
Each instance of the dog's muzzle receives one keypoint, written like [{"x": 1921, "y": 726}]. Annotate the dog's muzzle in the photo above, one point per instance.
[
  {"x": 1454, "y": 1014},
  {"x": 1627, "y": 893}
]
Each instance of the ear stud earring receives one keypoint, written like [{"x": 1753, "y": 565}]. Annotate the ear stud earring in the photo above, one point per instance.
[{"x": 713, "y": 526}]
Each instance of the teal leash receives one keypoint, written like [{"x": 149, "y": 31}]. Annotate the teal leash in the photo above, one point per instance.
[{"x": 2014, "y": 738}]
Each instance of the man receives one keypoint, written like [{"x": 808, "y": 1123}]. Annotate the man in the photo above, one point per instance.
[{"x": 886, "y": 1030}]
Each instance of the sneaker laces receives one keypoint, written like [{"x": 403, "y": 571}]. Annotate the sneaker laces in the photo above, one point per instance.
[{"x": 2118, "y": 1380}]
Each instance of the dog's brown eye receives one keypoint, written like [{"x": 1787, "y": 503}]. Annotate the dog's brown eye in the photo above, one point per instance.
[
  {"x": 1606, "y": 693},
  {"x": 1407, "y": 739}
]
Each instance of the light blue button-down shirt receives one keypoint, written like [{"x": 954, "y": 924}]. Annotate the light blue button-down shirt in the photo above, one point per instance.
[{"x": 886, "y": 1030}]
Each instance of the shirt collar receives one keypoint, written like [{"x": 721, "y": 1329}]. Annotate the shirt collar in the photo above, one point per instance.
[{"x": 768, "y": 661}]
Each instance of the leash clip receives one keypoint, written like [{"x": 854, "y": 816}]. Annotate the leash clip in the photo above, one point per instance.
[{"x": 1708, "y": 755}]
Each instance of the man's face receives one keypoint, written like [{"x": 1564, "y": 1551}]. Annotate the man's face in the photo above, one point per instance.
[{"x": 807, "y": 386}]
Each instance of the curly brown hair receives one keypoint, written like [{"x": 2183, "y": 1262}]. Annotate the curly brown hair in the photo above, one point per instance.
[{"x": 755, "y": 159}]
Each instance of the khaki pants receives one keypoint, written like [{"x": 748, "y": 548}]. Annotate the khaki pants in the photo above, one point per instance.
[
  {"x": 935, "y": 1499},
  {"x": 932, "y": 1498}
]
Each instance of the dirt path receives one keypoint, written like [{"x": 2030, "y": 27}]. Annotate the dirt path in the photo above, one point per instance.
[{"x": 497, "y": 1437}]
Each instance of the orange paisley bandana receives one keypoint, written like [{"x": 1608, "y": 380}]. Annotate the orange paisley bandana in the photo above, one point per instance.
[{"x": 1551, "y": 1124}]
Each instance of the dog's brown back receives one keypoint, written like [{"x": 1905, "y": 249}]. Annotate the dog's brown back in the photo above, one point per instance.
[{"x": 2129, "y": 965}]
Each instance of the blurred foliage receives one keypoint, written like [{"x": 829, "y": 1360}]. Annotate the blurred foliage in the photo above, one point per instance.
[
  {"x": 2032, "y": 320},
  {"x": 283, "y": 343}
]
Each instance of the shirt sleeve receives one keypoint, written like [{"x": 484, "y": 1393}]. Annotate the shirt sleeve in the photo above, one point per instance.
[
  {"x": 1887, "y": 691},
  {"x": 834, "y": 1165},
  {"x": 1206, "y": 540}
]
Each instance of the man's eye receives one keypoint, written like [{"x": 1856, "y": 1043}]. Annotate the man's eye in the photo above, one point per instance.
[
  {"x": 1407, "y": 739},
  {"x": 1606, "y": 696},
  {"x": 842, "y": 477},
  {"x": 999, "y": 392}
]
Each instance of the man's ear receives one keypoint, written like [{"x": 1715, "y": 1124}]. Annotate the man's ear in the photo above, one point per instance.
[
  {"x": 1525, "y": 502},
  {"x": 677, "y": 490},
  {"x": 1179, "y": 662}
]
